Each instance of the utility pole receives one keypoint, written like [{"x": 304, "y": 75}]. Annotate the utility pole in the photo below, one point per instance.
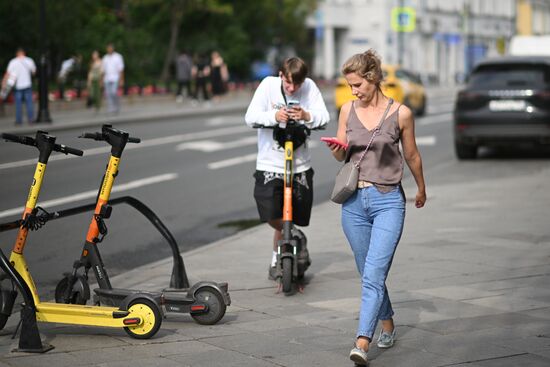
[{"x": 43, "y": 112}]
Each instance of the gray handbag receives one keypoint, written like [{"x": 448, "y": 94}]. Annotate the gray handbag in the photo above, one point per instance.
[{"x": 347, "y": 178}]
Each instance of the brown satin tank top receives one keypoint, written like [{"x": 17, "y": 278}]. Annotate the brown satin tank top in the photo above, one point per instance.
[{"x": 383, "y": 163}]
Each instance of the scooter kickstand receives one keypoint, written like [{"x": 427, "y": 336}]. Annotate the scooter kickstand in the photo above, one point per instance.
[{"x": 17, "y": 329}]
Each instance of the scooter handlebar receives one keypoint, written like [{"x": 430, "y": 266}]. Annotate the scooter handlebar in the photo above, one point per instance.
[
  {"x": 260, "y": 126},
  {"x": 94, "y": 136},
  {"x": 26, "y": 140},
  {"x": 100, "y": 136},
  {"x": 67, "y": 150}
]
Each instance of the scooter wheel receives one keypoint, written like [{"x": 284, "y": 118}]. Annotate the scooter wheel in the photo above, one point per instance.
[
  {"x": 287, "y": 274},
  {"x": 150, "y": 313},
  {"x": 216, "y": 306},
  {"x": 7, "y": 299},
  {"x": 3, "y": 320},
  {"x": 77, "y": 297}
]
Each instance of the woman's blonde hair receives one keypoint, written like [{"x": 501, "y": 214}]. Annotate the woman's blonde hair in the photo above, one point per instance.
[{"x": 367, "y": 65}]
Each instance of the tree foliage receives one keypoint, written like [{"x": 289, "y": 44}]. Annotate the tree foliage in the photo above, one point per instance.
[{"x": 148, "y": 33}]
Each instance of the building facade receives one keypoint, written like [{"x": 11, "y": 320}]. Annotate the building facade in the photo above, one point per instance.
[
  {"x": 447, "y": 37},
  {"x": 533, "y": 17}
]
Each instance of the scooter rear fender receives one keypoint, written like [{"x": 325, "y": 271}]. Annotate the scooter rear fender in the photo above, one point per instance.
[{"x": 222, "y": 288}]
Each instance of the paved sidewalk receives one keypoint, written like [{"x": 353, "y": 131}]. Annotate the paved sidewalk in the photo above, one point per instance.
[
  {"x": 73, "y": 114},
  {"x": 469, "y": 286}
]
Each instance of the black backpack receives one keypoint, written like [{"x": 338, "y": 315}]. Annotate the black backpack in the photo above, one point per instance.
[{"x": 298, "y": 133}]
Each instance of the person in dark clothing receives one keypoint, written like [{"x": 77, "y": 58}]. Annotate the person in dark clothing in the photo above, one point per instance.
[
  {"x": 201, "y": 74},
  {"x": 218, "y": 75}
]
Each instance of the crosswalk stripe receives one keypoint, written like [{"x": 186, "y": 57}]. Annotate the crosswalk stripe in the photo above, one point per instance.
[
  {"x": 214, "y": 146},
  {"x": 233, "y": 161}
]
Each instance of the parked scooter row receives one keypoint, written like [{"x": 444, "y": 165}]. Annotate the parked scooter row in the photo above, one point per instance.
[{"x": 139, "y": 313}]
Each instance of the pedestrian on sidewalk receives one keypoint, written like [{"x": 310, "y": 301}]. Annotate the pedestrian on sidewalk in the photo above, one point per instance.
[
  {"x": 69, "y": 67},
  {"x": 373, "y": 217},
  {"x": 184, "y": 65},
  {"x": 201, "y": 75},
  {"x": 113, "y": 78},
  {"x": 219, "y": 75},
  {"x": 269, "y": 108},
  {"x": 95, "y": 81},
  {"x": 19, "y": 74}
]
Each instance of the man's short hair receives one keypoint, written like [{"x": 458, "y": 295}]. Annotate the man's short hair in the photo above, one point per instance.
[{"x": 295, "y": 68}]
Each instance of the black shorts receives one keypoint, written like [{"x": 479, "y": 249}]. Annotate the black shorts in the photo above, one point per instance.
[{"x": 268, "y": 192}]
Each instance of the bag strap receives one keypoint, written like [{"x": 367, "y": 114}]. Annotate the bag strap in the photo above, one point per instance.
[
  {"x": 376, "y": 131},
  {"x": 283, "y": 92}
]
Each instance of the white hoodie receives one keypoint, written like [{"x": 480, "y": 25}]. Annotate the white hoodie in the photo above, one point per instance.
[{"x": 267, "y": 100}]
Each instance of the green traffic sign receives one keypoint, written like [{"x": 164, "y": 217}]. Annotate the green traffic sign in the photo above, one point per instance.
[{"x": 403, "y": 19}]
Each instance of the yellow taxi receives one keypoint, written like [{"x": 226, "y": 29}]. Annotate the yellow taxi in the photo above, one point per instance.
[{"x": 400, "y": 84}]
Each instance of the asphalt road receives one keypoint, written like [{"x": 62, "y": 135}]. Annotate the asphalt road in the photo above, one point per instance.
[{"x": 196, "y": 174}]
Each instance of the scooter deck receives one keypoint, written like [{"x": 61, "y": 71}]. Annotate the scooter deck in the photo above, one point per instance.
[
  {"x": 174, "y": 301},
  {"x": 115, "y": 296},
  {"x": 80, "y": 314}
]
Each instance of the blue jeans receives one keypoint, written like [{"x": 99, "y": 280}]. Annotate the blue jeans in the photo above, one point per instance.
[
  {"x": 20, "y": 95},
  {"x": 373, "y": 223},
  {"x": 111, "y": 93}
]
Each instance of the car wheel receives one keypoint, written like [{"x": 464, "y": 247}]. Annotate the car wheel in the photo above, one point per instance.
[
  {"x": 422, "y": 110},
  {"x": 465, "y": 151},
  {"x": 407, "y": 103}
]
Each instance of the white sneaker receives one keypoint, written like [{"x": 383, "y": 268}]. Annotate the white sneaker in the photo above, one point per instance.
[
  {"x": 359, "y": 356},
  {"x": 386, "y": 339}
]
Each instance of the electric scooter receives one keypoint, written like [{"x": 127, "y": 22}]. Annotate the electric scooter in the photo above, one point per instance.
[
  {"x": 139, "y": 314},
  {"x": 292, "y": 256},
  {"x": 206, "y": 302}
]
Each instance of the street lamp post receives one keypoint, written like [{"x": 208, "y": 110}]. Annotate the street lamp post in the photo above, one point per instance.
[{"x": 43, "y": 112}]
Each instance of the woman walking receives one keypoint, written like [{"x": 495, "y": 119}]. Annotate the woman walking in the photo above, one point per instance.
[
  {"x": 373, "y": 217},
  {"x": 95, "y": 77}
]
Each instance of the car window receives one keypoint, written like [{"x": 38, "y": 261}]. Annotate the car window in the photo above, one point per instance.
[
  {"x": 510, "y": 75},
  {"x": 401, "y": 75},
  {"x": 414, "y": 77}
]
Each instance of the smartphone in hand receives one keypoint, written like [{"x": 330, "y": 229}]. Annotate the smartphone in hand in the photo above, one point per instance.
[
  {"x": 332, "y": 140},
  {"x": 293, "y": 103}
]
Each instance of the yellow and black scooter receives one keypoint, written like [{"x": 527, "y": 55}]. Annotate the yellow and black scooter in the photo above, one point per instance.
[
  {"x": 205, "y": 301},
  {"x": 139, "y": 314},
  {"x": 292, "y": 256}
]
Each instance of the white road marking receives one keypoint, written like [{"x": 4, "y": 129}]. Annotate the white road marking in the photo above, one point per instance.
[
  {"x": 224, "y": 120},
  {"x": 435, "y": 119},
  {"x": 246, "y": 158},
  {"x": 232, "y": 161},
  {"x": 214, "y": 146},
  {"x": 93, "y": 193},
  {"x": 426, "y": 140},
  {"x": 145, "y": 143}
]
